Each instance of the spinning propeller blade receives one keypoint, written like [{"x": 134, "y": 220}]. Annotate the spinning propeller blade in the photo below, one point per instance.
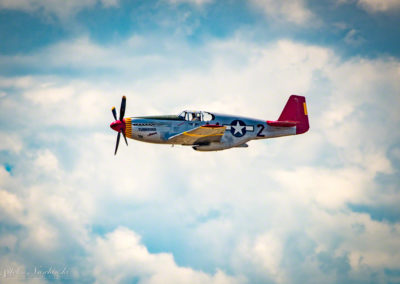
[
  {"x": 119, "y": 124},
  {"x": 123, "y": 133},
  {"x": 114, "y": 112},
  {"x": 116, "y": 145},
  {"x": 122, "y": 110}
]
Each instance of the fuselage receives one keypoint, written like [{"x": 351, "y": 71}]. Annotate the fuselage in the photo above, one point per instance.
[{"x": 239, "y": 130}]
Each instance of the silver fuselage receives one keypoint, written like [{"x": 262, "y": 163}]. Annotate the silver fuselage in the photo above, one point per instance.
[{"x": 239, "y": 130}]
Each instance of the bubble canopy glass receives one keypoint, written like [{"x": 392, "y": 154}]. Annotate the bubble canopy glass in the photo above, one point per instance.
[{"x": 196, "y": 115}]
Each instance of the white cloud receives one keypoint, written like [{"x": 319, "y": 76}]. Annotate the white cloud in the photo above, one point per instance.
[
  {"x": 120, "y": 256},
  {"x": 293, "y": 11},
  {"x": 353, "y": 38},
  {"x": 10, "y": 142},
  {"x": 9, "y": 204},
  {"x": 329, "y": 188},
  {"x": 194, "y": 2},
  {"x": 47, "y": 161},
  {"x": 110, "y": 3},
  {"x": 266, "y": 253},
  {"x": 369, "y": 243},
  {"x": 62, "y": 9},
  {"x": 374, "y": 6},
  {"x": 264, "y": 198}
]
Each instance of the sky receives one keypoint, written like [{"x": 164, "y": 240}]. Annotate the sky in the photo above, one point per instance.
[{"x": 321, "y": 207}]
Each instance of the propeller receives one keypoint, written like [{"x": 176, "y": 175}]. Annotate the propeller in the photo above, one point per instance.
[{"x": 119, "y": 124}]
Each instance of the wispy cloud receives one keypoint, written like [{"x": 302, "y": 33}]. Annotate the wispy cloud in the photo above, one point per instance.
[
  {"x": 194, "y": 2},
  {"x": 60, "y": 9},
  {"x": 374, "y": 6},
  {"x": 292, "y": 11}
]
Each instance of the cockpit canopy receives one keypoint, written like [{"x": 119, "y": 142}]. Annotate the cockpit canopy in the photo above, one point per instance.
[{"x": 196, "y": 115}]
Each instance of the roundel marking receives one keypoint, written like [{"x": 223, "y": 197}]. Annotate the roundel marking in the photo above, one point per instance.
[{"x": 238, "y": 128}]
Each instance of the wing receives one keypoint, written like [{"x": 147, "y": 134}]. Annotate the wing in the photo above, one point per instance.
[{"x": 200, "y": 135}]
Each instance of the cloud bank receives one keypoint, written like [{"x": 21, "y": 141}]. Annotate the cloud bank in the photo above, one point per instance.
[
  {"x": 321, "y": 206},
  {"x": 239, "y": 216}
]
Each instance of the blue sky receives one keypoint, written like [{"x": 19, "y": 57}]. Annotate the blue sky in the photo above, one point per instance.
[
  {"x": 377, "y": 31},
  {"x": 320, "y": 207}
]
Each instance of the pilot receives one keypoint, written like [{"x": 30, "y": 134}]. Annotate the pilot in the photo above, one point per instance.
[{"x": 195, "y": 117}]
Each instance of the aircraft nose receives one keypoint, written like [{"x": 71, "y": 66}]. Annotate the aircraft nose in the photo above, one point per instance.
[{"x": 116, "y": 125}]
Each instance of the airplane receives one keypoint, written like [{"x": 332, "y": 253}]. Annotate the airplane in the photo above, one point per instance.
[{"x": 209, "y": 131}]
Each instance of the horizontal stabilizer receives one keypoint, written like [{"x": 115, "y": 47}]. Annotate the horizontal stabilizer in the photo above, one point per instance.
[{"x": 282, "y": 123}]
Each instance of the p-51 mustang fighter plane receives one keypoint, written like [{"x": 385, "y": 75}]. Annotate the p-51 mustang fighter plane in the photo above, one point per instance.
[{"x": 206, "y": 131}]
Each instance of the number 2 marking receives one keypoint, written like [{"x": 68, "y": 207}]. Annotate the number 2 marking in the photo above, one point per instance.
[{"x": 261, "y": 127}]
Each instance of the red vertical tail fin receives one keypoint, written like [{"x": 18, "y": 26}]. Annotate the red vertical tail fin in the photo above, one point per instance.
[{"x": 295, "y": 110}]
